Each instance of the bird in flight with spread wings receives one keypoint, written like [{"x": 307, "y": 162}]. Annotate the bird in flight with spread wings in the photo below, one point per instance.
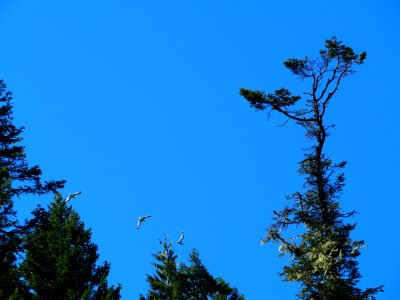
[
  {"x": 71, "y": 196},
  {"x": 180, "y": 241},
  {"x": 141, "y": 219}
]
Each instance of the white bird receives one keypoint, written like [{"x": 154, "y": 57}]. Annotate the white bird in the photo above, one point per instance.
[
  {"x": 180, "y": 241},
  {"x": 71, "y": 195},
  {"x": 141, "y": 219}
]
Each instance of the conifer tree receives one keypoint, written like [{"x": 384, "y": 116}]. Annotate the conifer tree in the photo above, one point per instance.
[
  {"x": 16, "y": 178},
  {"x": 177, "y": 281},
  {"x": 14, "y": 166},
  {"x": 60, "y": 259},
  {"x": 323, "y": 256}
]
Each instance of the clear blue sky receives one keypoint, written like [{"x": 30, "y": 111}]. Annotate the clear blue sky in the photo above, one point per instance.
[{"x": 136, "y": 104}]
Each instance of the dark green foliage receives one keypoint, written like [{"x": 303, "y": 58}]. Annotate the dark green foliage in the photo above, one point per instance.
[
  {"x": 16, "y": 178},
  {"x": 259, "y": 100},
  {"x": 323, "y": 256},
  {"x": 10, "y": 244},
  {"x": 174, "y": 280},
  {"x": 60, "y": 259}
]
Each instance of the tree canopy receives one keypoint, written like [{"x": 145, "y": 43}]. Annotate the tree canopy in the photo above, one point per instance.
[
  {"x": 174, "y": 280},
  {"x": 60, "y": 259}
]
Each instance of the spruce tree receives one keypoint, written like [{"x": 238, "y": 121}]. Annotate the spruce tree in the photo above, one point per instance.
[
  {"x": 60, "y": 259},
  {"x": 16, "y": 178},
  {"x": 177, "y": 281},
  {"x": 323, "y": 256}
]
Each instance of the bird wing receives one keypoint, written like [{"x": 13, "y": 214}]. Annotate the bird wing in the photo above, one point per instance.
[
  {"x": 181, "y": 238},
  {"x": 138, "y": 223},
  {"x": 141, "y": 219},
  {"x": 75, "y": 194}
]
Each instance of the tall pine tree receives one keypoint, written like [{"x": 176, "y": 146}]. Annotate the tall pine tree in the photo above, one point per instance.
[
  {"x": 323, "y": 256},
  {"x": 60, "y": 259}
]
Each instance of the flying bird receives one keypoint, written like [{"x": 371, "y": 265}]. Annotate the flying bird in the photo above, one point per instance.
[
  {"x": 141, "y": 219},
  {"x": 180, "y": 241},
  {"x": 71, "y": 195}
]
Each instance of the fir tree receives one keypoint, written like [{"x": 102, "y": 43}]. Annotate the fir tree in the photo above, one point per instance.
[
  {"x": 177, "y": 281},
  {"x": 323, "y": 256},
  {"x": 60, "y": 259},
  {"x": 16, "y": 178}
]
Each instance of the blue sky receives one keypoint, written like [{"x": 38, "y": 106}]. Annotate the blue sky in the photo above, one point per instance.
[{"x": 136, "y": 104}]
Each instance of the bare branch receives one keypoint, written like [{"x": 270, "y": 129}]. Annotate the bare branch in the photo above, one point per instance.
[{"x": 325, "y": 103}]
